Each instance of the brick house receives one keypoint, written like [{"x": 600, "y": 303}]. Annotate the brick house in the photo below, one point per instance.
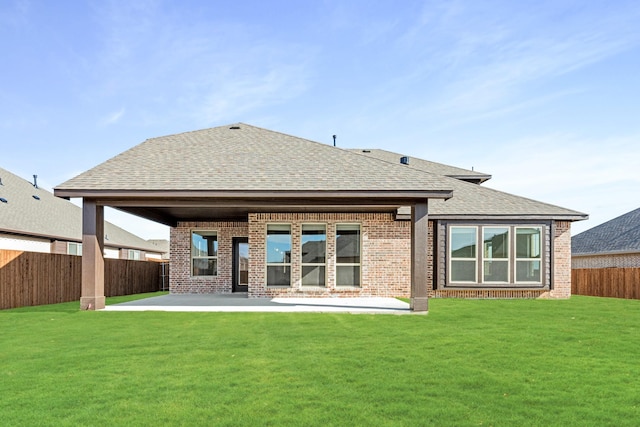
[
  {"x": 34, "y": 220},
  {"x": 257, "y": 211},
  {"x": 615, "y": 243}
]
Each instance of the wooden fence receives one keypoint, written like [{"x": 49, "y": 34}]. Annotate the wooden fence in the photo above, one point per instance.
[
  {"x": 31, "y": 278},
  {"x": 606, "y": 282}
]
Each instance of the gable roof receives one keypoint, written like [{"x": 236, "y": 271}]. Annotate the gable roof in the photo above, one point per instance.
[
  {"x": 619, "y": 235},
  {"x": 426, "y": 165},
  {"x": 52, "y": 217},
  {"x": 185, "y": 176}
]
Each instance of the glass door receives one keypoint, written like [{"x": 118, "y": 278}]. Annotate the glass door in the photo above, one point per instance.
[{"x": 240, "y": 274}]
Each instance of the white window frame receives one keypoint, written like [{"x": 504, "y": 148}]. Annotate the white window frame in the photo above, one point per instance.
[
  {"x": 451, "y": 258},
  {"x": 512, "y": 259},
  {"x": 209, "y": 257},
  {"x": 539, "y": 259},
  {"x": 134, "y": 255},
  {"x": 348, "y": 264},
  {"x": 277, "y": 264},
  {"x": 510, "y": 231},
  {"x": 78, "y": 251},
  {"x": 313, "y": 264}
]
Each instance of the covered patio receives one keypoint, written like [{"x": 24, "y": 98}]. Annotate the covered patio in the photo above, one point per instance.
[{"x": 234, "y": 182}]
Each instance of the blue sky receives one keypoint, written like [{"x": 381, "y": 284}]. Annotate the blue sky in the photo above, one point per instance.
[{"x": 542, "y": 95}]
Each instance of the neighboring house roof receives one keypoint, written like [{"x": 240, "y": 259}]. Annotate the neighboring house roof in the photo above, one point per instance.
[
  {"x": 52, "y": 217},
  {"x": 619, "y": 235},
  {"x": 426, "y": 165},
  {"x": 240, "y": 158}
]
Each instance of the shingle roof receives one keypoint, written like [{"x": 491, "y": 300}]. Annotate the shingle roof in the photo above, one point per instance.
[
  {"x": 241, "y": 157},
  {"x": 425, "y": 165},
  {"x": 621, "y": 234},
  {"x": 252, "y": 158},
  {"x": 52, "y": 217}
]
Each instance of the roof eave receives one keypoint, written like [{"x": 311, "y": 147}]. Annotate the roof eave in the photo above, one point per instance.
[
  {"x": 319, "y": 195},
  {"x": 498, "y": 217}
]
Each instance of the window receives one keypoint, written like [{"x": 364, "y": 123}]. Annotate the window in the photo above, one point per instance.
[
  {"x": 463, "y": 254},
  {"x": 528, "y": 254},
  {"x": 278, "y": 255},
  {"x": 509, "y": 255},
  {"x": 204, "y": 253},
  {"x": 348, "y": 255},
  {"x": 495, "y": 253},
  {"x": 74, "y": 248},
  {"x": 134, "y": 255},
  {"x": 314, "y": 248}
]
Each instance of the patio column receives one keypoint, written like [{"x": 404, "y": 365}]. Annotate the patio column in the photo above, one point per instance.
[
  {"x": 92, "y": 296},
  {"x": 419, "y": 234}
]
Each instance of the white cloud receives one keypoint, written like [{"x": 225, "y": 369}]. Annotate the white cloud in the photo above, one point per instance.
[
  {"x": 113, "y": 117},
  {"x": 202, "y": 73}
]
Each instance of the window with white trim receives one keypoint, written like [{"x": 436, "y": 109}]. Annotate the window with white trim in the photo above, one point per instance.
[
  {"x": 133, "y": 255},
  {"x": 348, "y": 250},
  {"x": 509, "y": 254},
  {"x": 495, "y": 254},
  {"x": 74, "y": 248},
  {"x": 204, "y": 253},
  {"x": 313, "y": 244},
  {"x": 278, "y": 255},
  {"x": 528, "y": 255}
]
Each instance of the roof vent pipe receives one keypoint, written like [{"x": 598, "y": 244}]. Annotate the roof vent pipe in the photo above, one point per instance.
[
  {"x": 35, "y": 181},
  {"x": 334, "y": 140},
  {"x": 404, "y": 160}
]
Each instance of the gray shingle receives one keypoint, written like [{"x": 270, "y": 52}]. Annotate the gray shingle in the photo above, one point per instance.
[
  {"x": 248, "y": 158},
  {"x": 425, "y": 165},
  {"x": 51, "y": 216},
  {"x": 621, "y": 234},
  {"x": 252, "y": 158}
]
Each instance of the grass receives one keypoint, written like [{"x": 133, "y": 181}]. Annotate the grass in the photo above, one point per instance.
[{"x": 468, "y": 363}]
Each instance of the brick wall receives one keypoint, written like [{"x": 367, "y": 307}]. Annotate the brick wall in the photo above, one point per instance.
[
  {"x": 561, "y": 260},
  {"x": 385, "y": 257},
  {"x": 606, "y": 261},
  {"x": 180, "y": 279}
]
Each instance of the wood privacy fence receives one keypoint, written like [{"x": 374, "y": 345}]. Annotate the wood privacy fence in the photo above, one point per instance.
[
  {"x": 606, "y": 282},
  {"x": 32, "y": 278}
]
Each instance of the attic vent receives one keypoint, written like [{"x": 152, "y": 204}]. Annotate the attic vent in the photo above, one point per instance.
[
  {"x": 3, "y": 200},
  {"x": 36, "y": 197},
  {"x": 366, "y": 151},
  {"x": 234, "y": 127},
  {"x": 404, "y": 160}
]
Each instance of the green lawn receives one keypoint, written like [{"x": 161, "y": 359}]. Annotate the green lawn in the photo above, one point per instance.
[{"x": 467, "y": 363}]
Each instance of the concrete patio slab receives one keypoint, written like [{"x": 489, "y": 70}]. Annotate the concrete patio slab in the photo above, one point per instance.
[{"x": 240, "y": 303}]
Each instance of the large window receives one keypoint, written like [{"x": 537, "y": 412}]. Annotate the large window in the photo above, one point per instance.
[
  {"x": 204, "y": 253},
  {"x": 348, "y": 255},
  {"x": 314, "y": 248},
  {"x": 508, "y": 255},
  {"x": 278, "y": 255}
]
